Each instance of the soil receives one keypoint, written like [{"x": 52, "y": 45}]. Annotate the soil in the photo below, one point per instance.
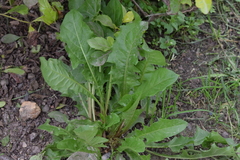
[{"x": 25, "y": 139}]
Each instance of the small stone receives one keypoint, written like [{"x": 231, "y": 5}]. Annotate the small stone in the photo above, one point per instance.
[
  {"x": 30, "y": 76},
  {"x": 6, "y": 118},
  {"x": 1, "y": 124},
  {"x": 24, "y": 144},
  {"x": 45, "y": 108},
  {"x": 29, "y": 110},
  {"x": 3, "y": 157},
  {"x": 4, "y": 82},
  {"x": 35, "y": 149},
  {"x": 225, "y": 134},
  {"x": 33, "y": 136}
]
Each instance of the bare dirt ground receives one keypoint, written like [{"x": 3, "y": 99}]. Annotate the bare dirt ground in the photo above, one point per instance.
[{"x": 25, "y": 139}]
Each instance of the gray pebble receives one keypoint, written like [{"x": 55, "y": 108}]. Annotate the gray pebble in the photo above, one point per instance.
[
  {"x": 30, "y": 76},
  {"x": 33, "y": 136},
  {"x": 35, "y": 150},
  {"x": 20, "y": 85},
  {"x": 45, "y": 108},
  {"x": 6, "y": 118},
  {"x": 3, "y": 157},
  {"x": 4, "y": 82}
]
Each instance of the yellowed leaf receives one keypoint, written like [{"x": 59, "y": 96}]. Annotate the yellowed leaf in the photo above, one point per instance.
[
  {"x": 128, "y": 17},
  {"x": 204, "y": 5}
]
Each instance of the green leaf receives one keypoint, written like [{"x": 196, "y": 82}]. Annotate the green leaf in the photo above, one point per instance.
[
  {"x": 83, "y": 156},
  {"x": 114, "y": 11},
  {"x": 156, "y": 81},
  {"x": 75, "y": 4},
  {"x": 98, "y": 142},
  {"x": 176, "y": 144},
  {"x": 134, "y": 155},
  {"x": 58, "y": 6},
  {"x": 238, "y": 150},
  {"x": 86, "y": 132},
  {"x": 49, "y": 14},
  {"x": 5, "y": 141},
  {"x": 14, "y": 70},
  {"x": 132, "y": 143},
  {"x": 200, "y": 136},
  {"x": 112, "y": 119},
  {"x": 58, "y": 116},
  {"x": 75, "y": 33},
  {"x": 175, "y": 6},
  {"x": 39, "y": 156},
  {"x": 96, "y": 28},
  {"x": 105, "y": 20},
  {"x": 124, "y": 55},
  {"x": 189, "y": 2},
  {"x": 53, "y": 129},
  {"x": 99, "y": 43},
  {"x": 212, "y": 152},
  {"x": 59, "y": 78},
  {"x": 72, "y": 145},
  {"x": 90, "y": 8},
  {"x": 2, "y": 104},
  {"x": 164, "y": 128},
  {"x": 204, "y": 5},
  {"x": 98, "y": 58},
  {"x": 9, "y": 38},
  {"x": 22, "y": 9},
  {"x": 131, "y": 116},
  {"x": 153, "y": 56}
]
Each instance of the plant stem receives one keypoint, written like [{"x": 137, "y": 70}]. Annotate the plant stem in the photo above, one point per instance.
[
  {"x": 89, "y": 103},
  {"x": 93, "y": 104},
  {"x": 14, "y": 18},
  {"x": 108, "y": 94}
]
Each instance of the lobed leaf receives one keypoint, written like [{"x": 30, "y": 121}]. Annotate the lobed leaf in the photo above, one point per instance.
[
  {"x": 132, "y": 143},
  {"x": 134, "y": 155},
  {"x": 75, "y": 33},
  {"x": 112, "y": 119},
  {"x": 156, "y": 81},
  {"x": 212, "y": 152},
  {"x": 59, "y": 78},
  {"x": 124, "y": 55},
  {"x": 160, "y": 130},
  {"x": 53, "y": 129},
  {"x": 72, "y": 144},
  {"x": 86, "y": 132}
]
